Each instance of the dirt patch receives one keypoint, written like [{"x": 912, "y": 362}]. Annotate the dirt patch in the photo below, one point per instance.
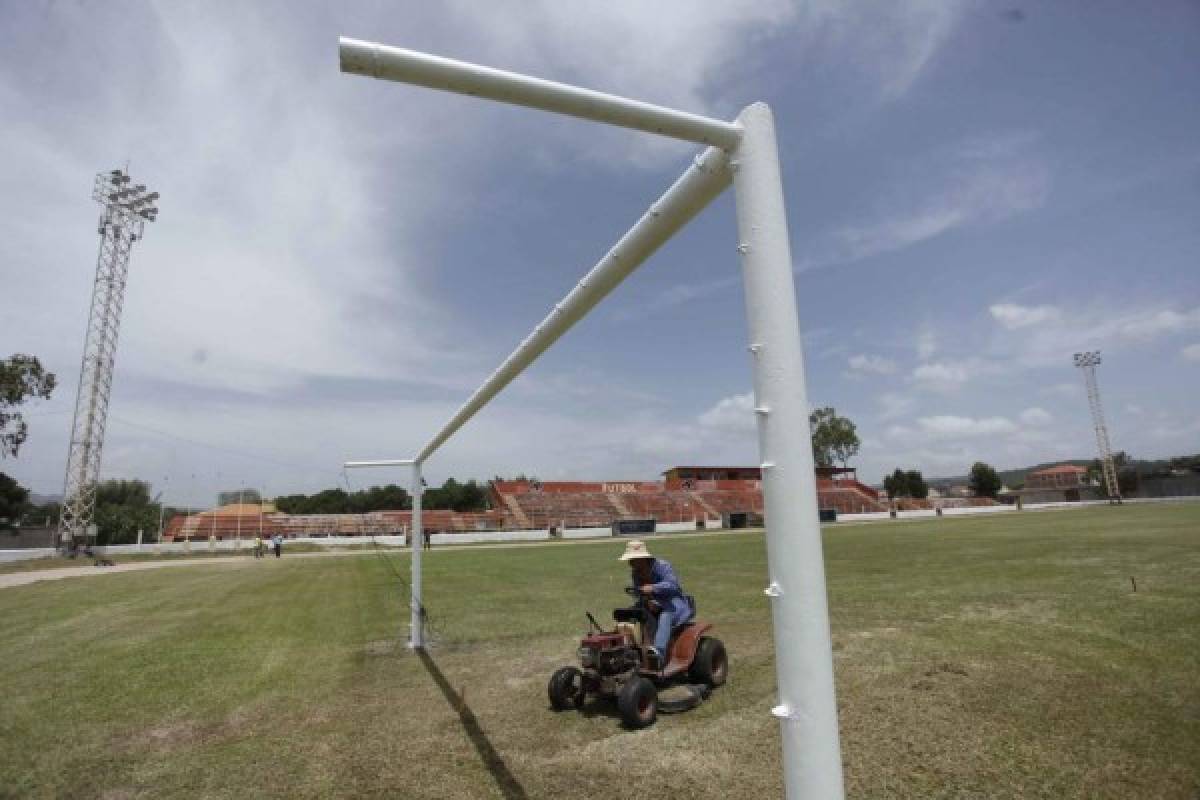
[{"x": 167, "y": 736}]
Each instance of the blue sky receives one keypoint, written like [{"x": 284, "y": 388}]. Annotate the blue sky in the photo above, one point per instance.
[{"x": 975, "y": 192}]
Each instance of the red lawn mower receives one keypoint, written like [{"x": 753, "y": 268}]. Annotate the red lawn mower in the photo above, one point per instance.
[{"x": 615, "y": 664}]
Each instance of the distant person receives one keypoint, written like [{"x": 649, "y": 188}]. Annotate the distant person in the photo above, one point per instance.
[
  {"x": 258, "y": 546},
  {"x": 428, "y": 535},
  {"x": 277, "y": 540},
  {"x": 661, "y": 596}
]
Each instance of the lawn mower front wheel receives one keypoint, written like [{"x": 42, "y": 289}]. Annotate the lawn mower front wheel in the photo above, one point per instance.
[
  {"x": 566, "y": 689},
  {"x": 638, "y": 703}
]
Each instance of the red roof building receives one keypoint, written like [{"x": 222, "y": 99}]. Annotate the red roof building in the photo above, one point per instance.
[{"x": 1063, "y": 476}]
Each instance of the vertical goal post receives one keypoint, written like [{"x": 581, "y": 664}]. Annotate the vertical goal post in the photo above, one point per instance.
[{"x": 745, "y": 153}]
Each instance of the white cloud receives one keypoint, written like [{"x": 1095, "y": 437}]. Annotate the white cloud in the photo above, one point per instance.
[
  {"x": 1014, "y": 316},
  {"x": 1154, "y": 324},
  {"x": 1048, "y": 339},
  {"x": 275, "y": 258},
  {"x": 949, "y": 375},
  {"x": 872, "y": 363},
  {"x": 1191, "y": 352},
  {"x": 950, "y": 426},
  {"x": 733, "y": 413},
  {"x": 940, "y": 376},
  {"x": 891, "y": 45},
  {"x": 621, "y": 47},
  {"x": 1036, "y": 416},
  {"x": 971, "y": 184}
]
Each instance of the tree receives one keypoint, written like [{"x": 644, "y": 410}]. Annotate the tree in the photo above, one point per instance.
[
  {"x": 917, "y": 488},
  {"x": 983, "y": 481},
  {"x": 834, "y": 438},
  {"x": 122, "y": 509},
  {"x": 21, "y": 377},
  {"x": 14, "y": 501},
  {"x": 469, "y": 496},
  {"x": 906, "y": 484}
]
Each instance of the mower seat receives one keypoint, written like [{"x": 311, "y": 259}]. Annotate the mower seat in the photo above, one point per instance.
[{"x": 633, "y": 614}]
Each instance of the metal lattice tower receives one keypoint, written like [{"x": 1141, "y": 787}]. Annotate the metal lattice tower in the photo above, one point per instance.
[
  {"x": 126, "y": 210},
  {"x": 1087, "y": 362}
]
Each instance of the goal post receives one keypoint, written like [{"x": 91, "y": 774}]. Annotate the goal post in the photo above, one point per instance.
[{"x": 745, "y": 153}]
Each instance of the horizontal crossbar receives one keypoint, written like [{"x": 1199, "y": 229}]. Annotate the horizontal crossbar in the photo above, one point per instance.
[
  {"x": 434, "y": 72},
  {"x": 390, "y": 462}
]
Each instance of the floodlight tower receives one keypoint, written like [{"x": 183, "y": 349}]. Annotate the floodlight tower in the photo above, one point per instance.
[
  {"x": 127, "y": 208},
  {"x": 1088, "y": 362}
]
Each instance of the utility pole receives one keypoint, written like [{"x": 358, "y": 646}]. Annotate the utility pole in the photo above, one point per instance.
[
  {"x": 126, "y": 211},
  {"x": 1088, "y": 362}
]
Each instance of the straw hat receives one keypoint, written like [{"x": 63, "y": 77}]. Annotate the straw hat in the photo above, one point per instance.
[{"x": 635, "y": 549}]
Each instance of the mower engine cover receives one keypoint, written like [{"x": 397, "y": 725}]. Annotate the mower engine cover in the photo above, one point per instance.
[{"x": 605, "y": 652}]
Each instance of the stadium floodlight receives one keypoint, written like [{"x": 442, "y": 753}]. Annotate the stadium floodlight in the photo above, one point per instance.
[
  {"x": 743, "y": 152},
  {"x": 1088, "y": 361},
  {"x": 121, "y": 224}
]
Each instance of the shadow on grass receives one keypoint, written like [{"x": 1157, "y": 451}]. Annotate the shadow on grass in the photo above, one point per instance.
[{"x": 508, "y": 784}]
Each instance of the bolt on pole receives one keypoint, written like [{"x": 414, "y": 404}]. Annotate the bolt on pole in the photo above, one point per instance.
[{"x": 807, "y": 709}]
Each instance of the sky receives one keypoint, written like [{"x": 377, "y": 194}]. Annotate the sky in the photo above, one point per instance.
[{"x": 975, "y": 191}]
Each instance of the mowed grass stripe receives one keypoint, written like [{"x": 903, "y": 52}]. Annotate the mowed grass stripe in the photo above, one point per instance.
[{"x": 975, "y": 657}]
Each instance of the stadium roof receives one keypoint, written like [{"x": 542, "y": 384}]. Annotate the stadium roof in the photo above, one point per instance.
[{"x": 1061, "y": 468}]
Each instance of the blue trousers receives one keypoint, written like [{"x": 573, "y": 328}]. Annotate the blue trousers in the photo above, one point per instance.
[{"x": 662, "y": 624}]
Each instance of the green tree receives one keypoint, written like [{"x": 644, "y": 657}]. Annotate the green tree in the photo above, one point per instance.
[
  {"x": 917, "y": 488},
  {"x": 329, "y": 501},
  {"x": 122, "y": 509},
  {"x": 896, "y": 484},
  {"x": 21, "y": 377},
  {"x": 834, "y": 438},
  {"x": 906, "y": 484},
  {"x": 983, "y": 480},
  {"x": 14, "y": 501}
]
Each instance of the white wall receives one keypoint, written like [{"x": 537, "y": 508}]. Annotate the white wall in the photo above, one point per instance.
[
  {"x": 489, "y": 536},
  {"x": 26, "y": 553},
  {"x": 675, "y": 527},
  {"x": 587, "y": 533}
]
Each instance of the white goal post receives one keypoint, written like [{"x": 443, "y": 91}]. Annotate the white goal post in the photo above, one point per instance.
[{"x": 745, "y": 153}]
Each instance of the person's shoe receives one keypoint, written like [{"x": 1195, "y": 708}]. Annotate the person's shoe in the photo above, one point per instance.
[{"x": 654, "y": 658}]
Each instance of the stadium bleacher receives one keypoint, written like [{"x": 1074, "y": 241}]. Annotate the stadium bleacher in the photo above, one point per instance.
[{"x": 687, "y": 494}]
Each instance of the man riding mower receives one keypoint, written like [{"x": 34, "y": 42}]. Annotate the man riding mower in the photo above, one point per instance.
[{"x": 656, "y": 643}]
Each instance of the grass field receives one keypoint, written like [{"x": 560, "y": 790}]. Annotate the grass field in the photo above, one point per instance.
[{"x": 980, "y": 657}]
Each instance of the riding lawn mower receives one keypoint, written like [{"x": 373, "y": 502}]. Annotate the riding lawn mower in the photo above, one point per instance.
[{"x": 620, "y": 664}]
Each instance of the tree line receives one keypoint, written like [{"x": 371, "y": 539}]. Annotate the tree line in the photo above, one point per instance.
[{"x": 452, "y": 495}]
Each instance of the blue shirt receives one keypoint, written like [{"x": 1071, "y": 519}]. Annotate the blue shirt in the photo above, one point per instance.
[{"x": 668, "y": 592}]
